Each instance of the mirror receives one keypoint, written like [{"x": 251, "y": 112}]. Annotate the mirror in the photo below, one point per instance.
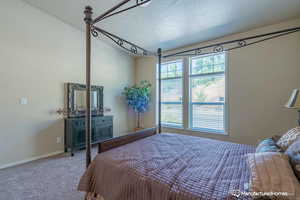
[
  {"x": 80, "y": 100},
  {"x": 77, "y": 100}
]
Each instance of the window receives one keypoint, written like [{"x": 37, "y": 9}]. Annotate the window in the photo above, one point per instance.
[
  {"x": 207, "y": 93},
  {"x": 171, "y": 97},
  {"x": 194, "y": 93}
]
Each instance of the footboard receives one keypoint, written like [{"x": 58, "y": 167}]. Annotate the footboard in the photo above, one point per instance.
[{"x": 119, "y": 141}]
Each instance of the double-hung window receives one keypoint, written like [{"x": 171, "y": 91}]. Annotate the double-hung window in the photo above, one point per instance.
[
  {"x": 193, "y": 93},
  {"x": 171, "y": 93},
  {"x": 207, "y": 93}
]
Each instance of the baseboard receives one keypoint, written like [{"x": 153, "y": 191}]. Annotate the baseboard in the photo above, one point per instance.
[{"x": 30, "y": 159}]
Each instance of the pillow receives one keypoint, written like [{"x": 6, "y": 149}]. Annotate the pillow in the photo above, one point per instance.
[
  {"x": 272, "y": 173},
  {"x": 267, "y": 145},
  {"x": 288, "y": 138},
  {"x": 276, "y": 138},
  {"x": 294, "y": 154}
]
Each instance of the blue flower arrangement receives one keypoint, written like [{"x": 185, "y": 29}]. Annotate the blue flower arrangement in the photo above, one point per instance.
[{"x": 138, "y": 97}]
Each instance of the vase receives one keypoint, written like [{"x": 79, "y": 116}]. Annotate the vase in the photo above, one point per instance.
[{"x": 139, "y": 126}]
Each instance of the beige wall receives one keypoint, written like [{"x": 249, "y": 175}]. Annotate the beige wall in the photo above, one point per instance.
[
  {"x": 38, "y": 55},
  {"x": 261, "y": 78}
]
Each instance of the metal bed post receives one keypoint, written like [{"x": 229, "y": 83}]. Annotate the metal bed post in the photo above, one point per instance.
[
  {"x": 159, "y": 89},
  {"x": 88, "y": 20},
  {"x": 93, "y": 30}
]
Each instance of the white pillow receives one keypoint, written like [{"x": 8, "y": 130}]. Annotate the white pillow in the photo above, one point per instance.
[{"x": 288, "y": 138}]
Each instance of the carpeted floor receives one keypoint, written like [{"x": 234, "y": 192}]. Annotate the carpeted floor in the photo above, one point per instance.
[{"x": 54, "y": 178}]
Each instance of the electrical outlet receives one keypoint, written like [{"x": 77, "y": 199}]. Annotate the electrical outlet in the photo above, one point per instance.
[{"x": 58, "y": 140}]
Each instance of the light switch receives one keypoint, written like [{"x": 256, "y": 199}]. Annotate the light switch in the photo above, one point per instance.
[
  {"x": 58, "y": 140},
  {"x": 23, "y": 101}
]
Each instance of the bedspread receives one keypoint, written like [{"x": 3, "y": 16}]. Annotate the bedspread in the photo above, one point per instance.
[{"x": 169, "y": 167}]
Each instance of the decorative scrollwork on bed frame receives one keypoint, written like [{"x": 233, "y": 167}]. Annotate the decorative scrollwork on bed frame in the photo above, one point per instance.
[
  {"x": 124, "y": 44},
  {"x": 233, "y": 44}
]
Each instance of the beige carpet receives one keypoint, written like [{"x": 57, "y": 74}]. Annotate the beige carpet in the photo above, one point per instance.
[{"x": 54, "y": 178}]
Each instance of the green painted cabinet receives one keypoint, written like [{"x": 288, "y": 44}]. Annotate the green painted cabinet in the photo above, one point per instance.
[{"x": 102, "y": 129}]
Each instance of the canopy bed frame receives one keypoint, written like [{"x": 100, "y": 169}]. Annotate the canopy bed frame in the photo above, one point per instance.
[
  {"x": 95, "y": 31},
  {"x": 148, "y": 165}
]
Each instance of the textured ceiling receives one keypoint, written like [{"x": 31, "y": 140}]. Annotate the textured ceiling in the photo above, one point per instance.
[{"x": 175, "y": 23}]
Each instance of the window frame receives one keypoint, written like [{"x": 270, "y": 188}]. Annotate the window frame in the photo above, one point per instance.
[
  {"x": 173, "y": 125},
  {"x": 186, "y": 97},
  {"x": 225, "y": 104}
]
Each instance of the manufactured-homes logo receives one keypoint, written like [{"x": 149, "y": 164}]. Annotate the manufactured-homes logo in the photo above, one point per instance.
[{"x": 238, "y": 194}]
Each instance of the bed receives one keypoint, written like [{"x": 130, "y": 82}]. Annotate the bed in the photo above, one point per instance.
[
  {"x": 168, "y": 166},
  {"x": 148, "y": 166}
]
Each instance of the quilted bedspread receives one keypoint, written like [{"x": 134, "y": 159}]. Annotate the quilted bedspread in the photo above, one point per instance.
[{"x": 169, "y": 167}]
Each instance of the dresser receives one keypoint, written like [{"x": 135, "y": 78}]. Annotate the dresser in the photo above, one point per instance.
[{"x": 102, "y": 129}]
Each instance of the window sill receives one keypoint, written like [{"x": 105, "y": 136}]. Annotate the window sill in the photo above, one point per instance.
[
  {"x": 172, "y": 126},
  {"x": 204, "y": 131},
  {"x": 207, "y": 131}
]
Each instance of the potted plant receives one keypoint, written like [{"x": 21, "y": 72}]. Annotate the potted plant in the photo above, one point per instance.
[{"x": 138, "y": 98}]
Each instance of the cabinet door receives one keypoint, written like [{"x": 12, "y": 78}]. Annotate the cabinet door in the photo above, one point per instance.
[
  {"x": 96, "y": 135},
  {"x": 102, "y": 133},
  {"x": 107, "y": 132},
  {"x": 79, "y": 137}
]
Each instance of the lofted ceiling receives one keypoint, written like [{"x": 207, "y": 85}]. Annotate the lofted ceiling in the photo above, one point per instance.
[{"x": 170, "y": 24}]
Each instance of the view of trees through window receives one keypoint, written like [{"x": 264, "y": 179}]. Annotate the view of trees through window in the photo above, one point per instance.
[
  {"x": 171, "y": 84},
  {"x": 206, "y": 92},
  {"x": 207, "y": 82}
]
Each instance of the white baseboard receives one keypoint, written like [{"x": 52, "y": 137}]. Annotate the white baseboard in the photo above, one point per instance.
[{"x": 30, "y": 159}]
